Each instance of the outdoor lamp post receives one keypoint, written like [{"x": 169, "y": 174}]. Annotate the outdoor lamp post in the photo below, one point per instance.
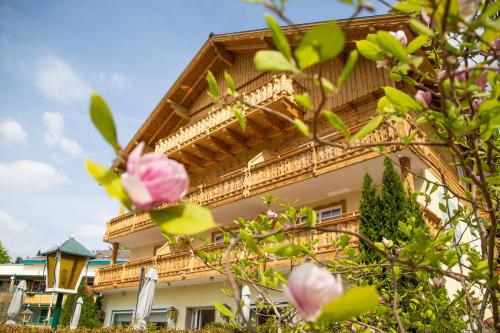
[
  {"x": 26, "y": 315},
  {"x": 65, "y": 269}
]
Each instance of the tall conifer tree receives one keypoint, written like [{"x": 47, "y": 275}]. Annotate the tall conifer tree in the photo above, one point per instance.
[
  {"x": 370, "y": 223},
  {"x": 393, "y": 207}
]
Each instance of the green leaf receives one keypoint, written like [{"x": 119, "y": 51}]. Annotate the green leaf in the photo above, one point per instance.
[
  {"x": 407, "y": 7},
  {"x": 328, "y": 87},
  {"x": 417, "y": 43},
  {"x": 273, "y": 61},
  {"x": 369, "y": 50},
  {"x": 285, "y": 251},
  {"x": 231, "y": 89},
  {"x": 304, "y": 101},
  {"x": 349, "y": 67},
  {"x": 223, "y": 310},
  {"x": 344, "y": 240},
  {"x": 302, "y": 127},
  {"x": 420, "y": 28},
  {"x": 183, "y": 219},
  {"x": 108, "y": 179},
  {"x": 237, "y": 110},
  {"x": 368, "y": 128},
  {"x": 384, "y": 105},
  {"x": 213, "y": 87},
  {"x": 390, "y": 44},
  {"x": 279, "y": 38},
  {"x": 310, "y": 215},
  {"x": 327, "y": 39},
  {"x": 354, "y": 302},
  {"x": 250, "y": 242},
  {"x": 397, "y": 97},
  {"x": 306, "y": 56},
  {"x": 337, "y": 122},
  {"x": 103, "y": 120}
]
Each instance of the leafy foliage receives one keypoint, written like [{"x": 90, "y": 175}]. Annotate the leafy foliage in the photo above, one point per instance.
[
  {"x": 90, "y": 316},
  {"x": 4, "y": 255}
]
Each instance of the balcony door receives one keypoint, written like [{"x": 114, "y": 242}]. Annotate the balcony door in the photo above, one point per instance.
[{"x": 197, "y": 318}]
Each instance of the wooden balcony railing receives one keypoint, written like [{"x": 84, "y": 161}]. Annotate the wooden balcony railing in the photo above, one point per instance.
[
  {"x": 37, "y": 298},
  {"x": 279, "y": 87},
  {"x": 298, "y": 164},
  {"x": 185, "y": 265}
]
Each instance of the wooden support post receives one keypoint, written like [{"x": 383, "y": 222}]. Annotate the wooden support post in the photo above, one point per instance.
[
  {"x": 220, "y": 145},
  {"x": 114, "y": 255},
  {"x": 226, "y": 56},
  {"x": 406, "y": 175}
]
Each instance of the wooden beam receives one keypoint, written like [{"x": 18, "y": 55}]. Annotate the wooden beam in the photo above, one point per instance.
[
  {"x": 147, "y": 149},
  {"x": 114, "y": 255},
  {"x": 220, "y": 145},
  {"x": 269, "y": 42},
  {"x": 200, "y": 78},
  {"x": 191, "y": 159},
  {"x": 162, "y": 126},
  {"x": 226, "y": 56},
  {"x": 237, "y": 138},
  {"x": 259, "y": 130},
  {"x": 273, "y": 121},
  {"x": 182, "y": 111},
  {"x": 205, "y": 153}
]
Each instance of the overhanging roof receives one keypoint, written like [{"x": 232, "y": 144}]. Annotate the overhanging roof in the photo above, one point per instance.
[
  {"x": 217, "y": 53},
  {"x": 71, "y": 246}
]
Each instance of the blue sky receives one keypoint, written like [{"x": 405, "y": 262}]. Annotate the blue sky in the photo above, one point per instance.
[{"x": 52, "y": 54}]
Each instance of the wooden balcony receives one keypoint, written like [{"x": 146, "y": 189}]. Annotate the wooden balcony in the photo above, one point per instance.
[
  {"x": 219, "y": 134},
  {"x": 185, "y": 265},
  {"x": 298, "y": 164},
  {"x": 37, "y": 299}
]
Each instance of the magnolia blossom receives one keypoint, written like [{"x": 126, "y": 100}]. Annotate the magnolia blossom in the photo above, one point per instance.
[
  {"x": 153, "y": 178},
  {"x": 437, "y": 282},
  {"x": 467, "y": 9},
  {"x": 386, "y": 242},
  {"x": 310, "y": 288},
  {"x": 494, "y": 50},
  {"x": 401, "y": 37},
  {"x": 423, "y": 98},
  {"x": 271, "y": 214},
  {"x": 482, "y": 79}
]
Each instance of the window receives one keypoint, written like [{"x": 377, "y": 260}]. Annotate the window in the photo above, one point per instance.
[
  {"x": 197, "y": 318},
  {"x": 124, "y": 317},
  {"x": 218, "y": 238},
  {"x": 38, "y": 286},
  {"x": 326, "y": 214}
]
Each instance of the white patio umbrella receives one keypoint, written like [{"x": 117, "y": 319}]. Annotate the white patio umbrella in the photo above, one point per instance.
[
  {"x": 245, "y": 309},
  {"x": 16, "y": 303},
  {"x": 145, "y": 300},
  {"x": 76, "y": 314}
]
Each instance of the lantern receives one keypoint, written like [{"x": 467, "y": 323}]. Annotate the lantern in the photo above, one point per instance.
[
  {"x": 65, "y": 269},
  {"x": 26, "y": 315}
]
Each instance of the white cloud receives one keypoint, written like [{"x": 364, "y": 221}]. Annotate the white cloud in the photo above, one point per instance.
[
  {"x": 54, "y": 134},
  {"x": 12, "y": 132},
  {"x": 11, "y": 226},
  {"x": 91, "y": 231},
  {"x": 28, "y": 175},
  {"x": 115, "y": 81},
  {"x": 57, "y": 81}
]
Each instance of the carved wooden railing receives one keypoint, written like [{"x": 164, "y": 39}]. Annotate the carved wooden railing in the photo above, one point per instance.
[
  {"x": 300, "y": 163},
  {"x": 185, "y": 264},
  {"x": 279, "y": 87}
]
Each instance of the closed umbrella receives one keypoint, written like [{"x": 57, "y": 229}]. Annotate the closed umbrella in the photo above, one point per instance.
[
  {"x": 16, "y": 302},
  {"x": 145, "y": 300},
  {"x": 76, "y": 314},
  {"x": 245, "y": 309}
]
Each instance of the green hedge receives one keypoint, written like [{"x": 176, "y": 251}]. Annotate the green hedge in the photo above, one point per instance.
[{"x": 211, "y": 328}]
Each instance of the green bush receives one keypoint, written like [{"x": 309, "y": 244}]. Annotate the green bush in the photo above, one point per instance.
[{"x": 90, "y": 316}]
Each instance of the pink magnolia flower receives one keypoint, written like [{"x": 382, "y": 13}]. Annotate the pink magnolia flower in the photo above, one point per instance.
[
  {"x": 386, "y": 242},
  {"x": 153, "y": 178},
  {"x": 494, "y": 50},
  {"x": 272, "y": 214},
  {"x": 482, "y": 79},
  {"x": 423, "y": 98},
  {"x": 310, "y": 288},
  {"x": 400, "y": 36},
  {"x": 437, "y": 282}
]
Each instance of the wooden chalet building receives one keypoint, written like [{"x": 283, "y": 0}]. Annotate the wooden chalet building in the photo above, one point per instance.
[{"x": 230, "y": 169}]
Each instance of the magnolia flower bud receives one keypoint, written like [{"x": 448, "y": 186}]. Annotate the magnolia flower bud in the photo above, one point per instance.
[
  {"x": 310, "y": 288},
  {"x": 494, "y": 50},
  {"x": 271, "y": 214},
  {"x": 386, "y": 242},
  {"x": 482, "y": 79},
  {"x": 400, "y": 36},
  {"x": 423, "y": 98},
  {"x": 153, "y": 178},
  {"x": 437, "y": 282}
]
